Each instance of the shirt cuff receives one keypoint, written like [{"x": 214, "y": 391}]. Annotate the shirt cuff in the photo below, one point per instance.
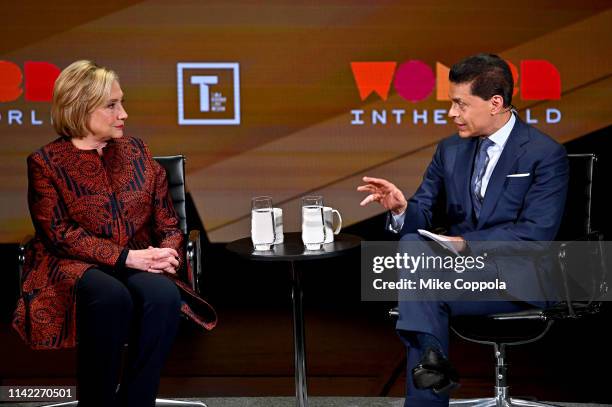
[
  {"x": 120, "y": 264},
  {"x": 396, "y": 222}
]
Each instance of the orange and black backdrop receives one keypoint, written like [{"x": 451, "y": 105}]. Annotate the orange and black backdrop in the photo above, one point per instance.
[
  {"x": 285, "y": 98},
  {"x": 281, "y": 98}
]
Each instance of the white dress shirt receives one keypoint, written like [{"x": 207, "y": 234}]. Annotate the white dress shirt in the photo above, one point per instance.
[{"x": 500, "y": 137}]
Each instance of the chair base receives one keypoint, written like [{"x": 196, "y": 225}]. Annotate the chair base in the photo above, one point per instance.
[
  {"x": 167, "y": 403},
  {"x": 501, "y": 400},
  {"x": 158, "y": 403},
  {"x": 491, "y": 402}
]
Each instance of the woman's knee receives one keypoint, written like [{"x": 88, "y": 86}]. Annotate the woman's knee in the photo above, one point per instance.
[
  {"x": 167, "y": 295},
  {"x": 157, "y": 292},
  {"x": 99, "y": 290}
]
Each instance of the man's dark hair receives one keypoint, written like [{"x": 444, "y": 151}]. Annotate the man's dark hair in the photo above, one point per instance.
[{"x": 489, "y": 74}]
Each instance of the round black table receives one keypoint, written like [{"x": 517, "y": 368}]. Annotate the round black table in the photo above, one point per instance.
[{"x": 292, "y": 250}]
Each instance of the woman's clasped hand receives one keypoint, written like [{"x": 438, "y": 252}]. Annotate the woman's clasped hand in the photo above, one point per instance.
[{"x": 153, "y": 260}]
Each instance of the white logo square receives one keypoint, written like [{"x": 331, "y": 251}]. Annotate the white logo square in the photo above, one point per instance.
[{"x": 213, "y": 83}]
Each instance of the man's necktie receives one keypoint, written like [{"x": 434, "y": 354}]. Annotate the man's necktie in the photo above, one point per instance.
[{"x": 482, "y": 160}]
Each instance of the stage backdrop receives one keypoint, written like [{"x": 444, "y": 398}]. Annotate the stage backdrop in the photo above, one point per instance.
[{"x": 287, "y": 98}]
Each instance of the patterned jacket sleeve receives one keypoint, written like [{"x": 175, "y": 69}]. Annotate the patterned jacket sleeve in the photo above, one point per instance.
[
  {"x": 59, "y": 233},
  {"x": 165, "y": 220}
]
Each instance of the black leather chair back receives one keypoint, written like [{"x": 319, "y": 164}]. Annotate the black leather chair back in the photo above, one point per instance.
[
  {"x": 583, "y": 264},
  {"x": 175, "y": 172},
  {"x": 578, "y": 217}
]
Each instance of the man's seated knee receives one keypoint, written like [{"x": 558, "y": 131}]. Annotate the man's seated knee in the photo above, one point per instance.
[{"x": 412, "y": 237}]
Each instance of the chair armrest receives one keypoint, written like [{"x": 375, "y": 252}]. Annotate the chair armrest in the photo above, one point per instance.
[{"x": 194, "y": 260}]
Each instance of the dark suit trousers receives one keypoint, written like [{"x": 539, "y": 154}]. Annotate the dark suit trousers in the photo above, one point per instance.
[
  {"x": 432, "y": 317},
  {"x": 138, "y": 308}
]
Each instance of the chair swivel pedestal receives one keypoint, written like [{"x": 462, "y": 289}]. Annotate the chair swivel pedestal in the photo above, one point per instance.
[{"x": 502, "y": 395}]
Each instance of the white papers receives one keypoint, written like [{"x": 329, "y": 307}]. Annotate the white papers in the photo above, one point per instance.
[{"x": 444, "y": 241}]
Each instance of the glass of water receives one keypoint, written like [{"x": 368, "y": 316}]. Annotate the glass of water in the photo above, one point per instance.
[
  {"x": 313, "y": 222},
  {"x": 263, "y": 232}
]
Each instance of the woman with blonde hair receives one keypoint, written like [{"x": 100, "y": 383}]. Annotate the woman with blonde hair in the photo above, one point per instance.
[{"x": 101, "y": 270}]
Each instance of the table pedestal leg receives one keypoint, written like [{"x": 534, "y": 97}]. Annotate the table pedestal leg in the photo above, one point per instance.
[{"x": 299, "y": 343}]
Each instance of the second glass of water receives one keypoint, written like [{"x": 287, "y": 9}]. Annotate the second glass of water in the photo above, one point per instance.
[{"x": 313, "y": 222}]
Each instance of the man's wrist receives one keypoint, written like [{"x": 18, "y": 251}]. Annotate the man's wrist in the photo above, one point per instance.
[{"x": 400, "y": 211}]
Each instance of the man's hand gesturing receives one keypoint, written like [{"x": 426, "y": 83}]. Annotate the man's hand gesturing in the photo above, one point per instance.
[{"x": 385, "y": 193}]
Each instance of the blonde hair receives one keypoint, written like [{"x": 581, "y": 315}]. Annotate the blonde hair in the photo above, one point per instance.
[{"x": 79, "y": 89}]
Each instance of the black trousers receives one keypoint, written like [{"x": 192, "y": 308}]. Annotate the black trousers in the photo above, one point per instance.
[{"x": 138, "y": 308}]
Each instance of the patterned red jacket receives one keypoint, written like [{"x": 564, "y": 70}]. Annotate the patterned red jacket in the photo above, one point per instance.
[{"x": 86, "y": 209}]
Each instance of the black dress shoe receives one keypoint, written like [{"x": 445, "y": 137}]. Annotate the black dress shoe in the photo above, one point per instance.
[{"x": 435, "y": 372}]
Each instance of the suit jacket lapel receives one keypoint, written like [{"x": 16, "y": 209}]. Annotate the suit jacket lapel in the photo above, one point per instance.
[
  {"x": 464, "y": 161},
  {"x": 512, "y": 151}
]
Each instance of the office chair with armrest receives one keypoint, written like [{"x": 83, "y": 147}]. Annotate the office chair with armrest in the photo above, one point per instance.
[
  {"x": 576, "y": 228},
  {"x": 175, "y": 172}
]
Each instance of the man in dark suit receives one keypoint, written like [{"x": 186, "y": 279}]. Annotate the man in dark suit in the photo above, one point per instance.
[{"x": 499, "y": 179}]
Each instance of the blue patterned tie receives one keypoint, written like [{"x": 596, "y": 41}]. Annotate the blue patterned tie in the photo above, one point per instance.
[{"x": 482, "y": 160}]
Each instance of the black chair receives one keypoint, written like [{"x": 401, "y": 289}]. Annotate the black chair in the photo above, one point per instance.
[
  {"x": 175, "y": 172},
  {"x": 519, "y": 328},
  {"x": 531, "y": 325}
]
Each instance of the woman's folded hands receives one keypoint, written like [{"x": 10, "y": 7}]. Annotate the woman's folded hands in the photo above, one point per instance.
[{"x": 153, "y": 260}]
